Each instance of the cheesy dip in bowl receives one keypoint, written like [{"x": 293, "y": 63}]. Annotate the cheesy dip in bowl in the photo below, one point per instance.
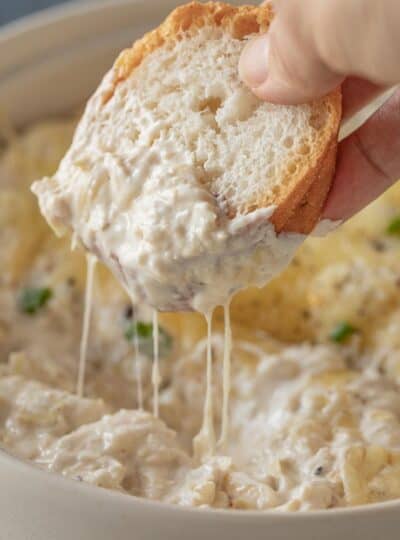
[{"x": 314, "y": 442}]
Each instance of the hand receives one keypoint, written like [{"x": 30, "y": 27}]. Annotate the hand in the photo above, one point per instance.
[{"x": 312, "y": 47}]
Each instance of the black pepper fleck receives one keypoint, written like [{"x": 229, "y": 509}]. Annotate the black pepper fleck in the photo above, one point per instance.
[
  {"x": 319, "y": 471},
  {"x": 378, "y": 245},
  {"x": 97, "y": 365},
  {"x": 128, "y": 313}
]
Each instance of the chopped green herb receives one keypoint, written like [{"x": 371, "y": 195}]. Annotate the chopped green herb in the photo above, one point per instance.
[
  {"x": 140, "y": 329},
  {"x": 394, "y": 227},
  {"x": 32, "y": 299},
  {"x": 144, "y": 333},
  {"x": 342, "y": 332}
]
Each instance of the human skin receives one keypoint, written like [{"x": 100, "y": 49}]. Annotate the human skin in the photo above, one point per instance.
[{"x": 312, "y": 47}]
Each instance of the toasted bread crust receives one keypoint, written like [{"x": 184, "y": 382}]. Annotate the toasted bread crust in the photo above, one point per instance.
[
  {"x": 304, "y": 217},
  {"x": 299, "y": 206}
]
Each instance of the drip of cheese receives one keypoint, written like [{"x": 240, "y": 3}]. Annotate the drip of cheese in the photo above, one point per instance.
[
  {"x": 156, "y": 376},
  {"x": 226, "y": 383},
  {"x": 138, "y": 367},
  {"x": 204, "y": 443},
  {"x": 91, "y": 266}
]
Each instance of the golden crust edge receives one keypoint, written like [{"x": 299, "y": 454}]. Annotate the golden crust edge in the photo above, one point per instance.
[
  {"x": 300, "y": 208},
  {"x": 306, "y": 215}
]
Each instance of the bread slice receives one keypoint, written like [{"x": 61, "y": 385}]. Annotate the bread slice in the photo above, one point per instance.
[
  {"x": 177, "y": 170},
  {"x": 248, "y": 153}
]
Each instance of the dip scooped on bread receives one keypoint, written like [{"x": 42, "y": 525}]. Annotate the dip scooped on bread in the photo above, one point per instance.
[{"x": 184, "y": 183}]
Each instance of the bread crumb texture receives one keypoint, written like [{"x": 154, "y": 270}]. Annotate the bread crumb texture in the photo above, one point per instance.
[{"x": 182, "y": 78}]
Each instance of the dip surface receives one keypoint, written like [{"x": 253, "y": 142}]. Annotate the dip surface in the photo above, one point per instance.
[{"x": 315, "y": 374}]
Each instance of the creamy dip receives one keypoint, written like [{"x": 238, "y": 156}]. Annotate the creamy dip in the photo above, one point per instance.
[
  {"x": 136, "y": 196},
  {"x": 132, "y": 191},
  {"x": 314, "y": 378}
]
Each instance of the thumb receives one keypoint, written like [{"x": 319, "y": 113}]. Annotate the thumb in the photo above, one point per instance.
[
  {"x": 278, "y": 71},
  {"x": 313, "y": 45}
]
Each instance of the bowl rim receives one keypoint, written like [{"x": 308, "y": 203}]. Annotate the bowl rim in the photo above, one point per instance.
[
  {"x": 57, "y": 12},
  {"x": 52, "y": 17},
  {"x": 34, "y": 22}
]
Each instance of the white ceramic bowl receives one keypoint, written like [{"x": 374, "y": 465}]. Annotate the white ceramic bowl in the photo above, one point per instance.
[{"x": 49, "y": 63}]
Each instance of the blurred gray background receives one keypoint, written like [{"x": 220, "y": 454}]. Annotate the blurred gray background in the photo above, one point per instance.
[{"x": 12, "y": 9}]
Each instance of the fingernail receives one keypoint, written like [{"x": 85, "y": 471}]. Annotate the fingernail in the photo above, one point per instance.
[{"x": 253, "y": 65}]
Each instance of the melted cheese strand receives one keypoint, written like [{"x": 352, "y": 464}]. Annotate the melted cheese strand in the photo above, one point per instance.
[
  {"x": 204, "y": 443},
  {"x": 226, "y": 377},
  {"x": 208, "y": 421},
  {"x": 138, "y": 366},
  {"x": 155, "y": 376},
  {"x": 74, "y": 241},
  {"x": 91, "y": 266}
]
